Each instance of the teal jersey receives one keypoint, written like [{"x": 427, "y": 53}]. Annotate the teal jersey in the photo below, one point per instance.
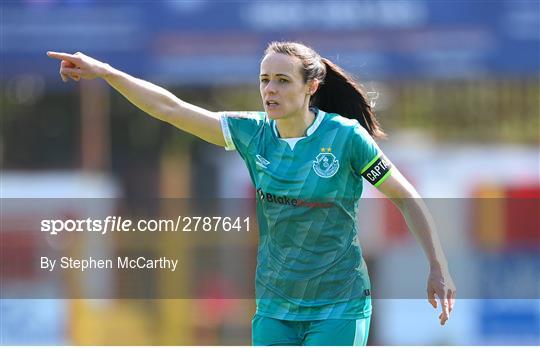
[{"x": 309, "y": 263}]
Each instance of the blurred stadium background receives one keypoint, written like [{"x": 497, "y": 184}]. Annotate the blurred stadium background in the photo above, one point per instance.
[{"x": 456, "y": 86}]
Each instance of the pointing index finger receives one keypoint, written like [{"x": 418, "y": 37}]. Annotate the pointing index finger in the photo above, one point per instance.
[{"x": 59, "y": 55}]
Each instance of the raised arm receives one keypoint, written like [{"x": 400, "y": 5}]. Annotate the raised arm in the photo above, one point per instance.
[
  {"x": 152, "y": 99},
  {"x": 421, "y": 225}
]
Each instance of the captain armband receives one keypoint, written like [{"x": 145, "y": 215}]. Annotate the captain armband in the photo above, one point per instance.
[{"x": 377, "y": 171}]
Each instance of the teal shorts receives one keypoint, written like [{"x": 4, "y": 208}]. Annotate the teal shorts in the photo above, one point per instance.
[{"x": 331, "y": 332}]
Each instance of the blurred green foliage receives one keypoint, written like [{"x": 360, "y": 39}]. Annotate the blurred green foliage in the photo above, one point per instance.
[{"x": 490, "y": 111}]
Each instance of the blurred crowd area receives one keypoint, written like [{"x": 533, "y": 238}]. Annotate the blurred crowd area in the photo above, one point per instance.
[{"x": 455, "y": 85}]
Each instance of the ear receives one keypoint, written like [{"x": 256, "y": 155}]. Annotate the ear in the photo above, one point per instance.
[{"x": 313, "y": 86}]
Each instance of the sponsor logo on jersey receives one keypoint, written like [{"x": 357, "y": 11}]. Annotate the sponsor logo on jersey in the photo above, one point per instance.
[
  {"x": 294, "y": 202},
  {"x": 377, "y": 170},
  {"x": 325, "y": 164},
  {"x": 261, "y": 161}
]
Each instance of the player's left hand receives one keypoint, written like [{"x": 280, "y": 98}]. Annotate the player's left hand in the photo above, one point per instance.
[{"x": 440, "y": 283}]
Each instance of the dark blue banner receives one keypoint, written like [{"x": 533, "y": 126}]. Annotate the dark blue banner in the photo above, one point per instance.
[{"x": 204, "y": 42}]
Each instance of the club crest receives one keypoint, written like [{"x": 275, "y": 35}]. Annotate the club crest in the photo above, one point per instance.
[{"x": 325, "y": 165}]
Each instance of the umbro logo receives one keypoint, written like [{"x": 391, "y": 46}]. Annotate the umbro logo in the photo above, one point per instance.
[{"x": 261, "y": 161}]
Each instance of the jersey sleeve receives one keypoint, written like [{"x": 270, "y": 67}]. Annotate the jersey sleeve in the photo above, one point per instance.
[
  {"x": 240, "y": 128},
  {"x": 367, "y": 159}
]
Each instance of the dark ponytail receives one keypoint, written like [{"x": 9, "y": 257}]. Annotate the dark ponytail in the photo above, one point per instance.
[{"x": 338, "y": 92}]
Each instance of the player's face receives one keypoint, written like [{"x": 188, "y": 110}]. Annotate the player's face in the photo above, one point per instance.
[{"x": 283, "y": 91}]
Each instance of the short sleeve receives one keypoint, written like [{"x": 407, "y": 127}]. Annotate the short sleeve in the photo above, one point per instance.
[
  {"x": 367, "y": 159},
  {"x": 240, "y": 128}
]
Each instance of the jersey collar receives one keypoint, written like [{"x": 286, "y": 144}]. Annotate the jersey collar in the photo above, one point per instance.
[{"x": 311, "y": 129}]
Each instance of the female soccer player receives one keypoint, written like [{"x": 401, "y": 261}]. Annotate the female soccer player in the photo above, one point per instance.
[{"x": 307, "y": 155}]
